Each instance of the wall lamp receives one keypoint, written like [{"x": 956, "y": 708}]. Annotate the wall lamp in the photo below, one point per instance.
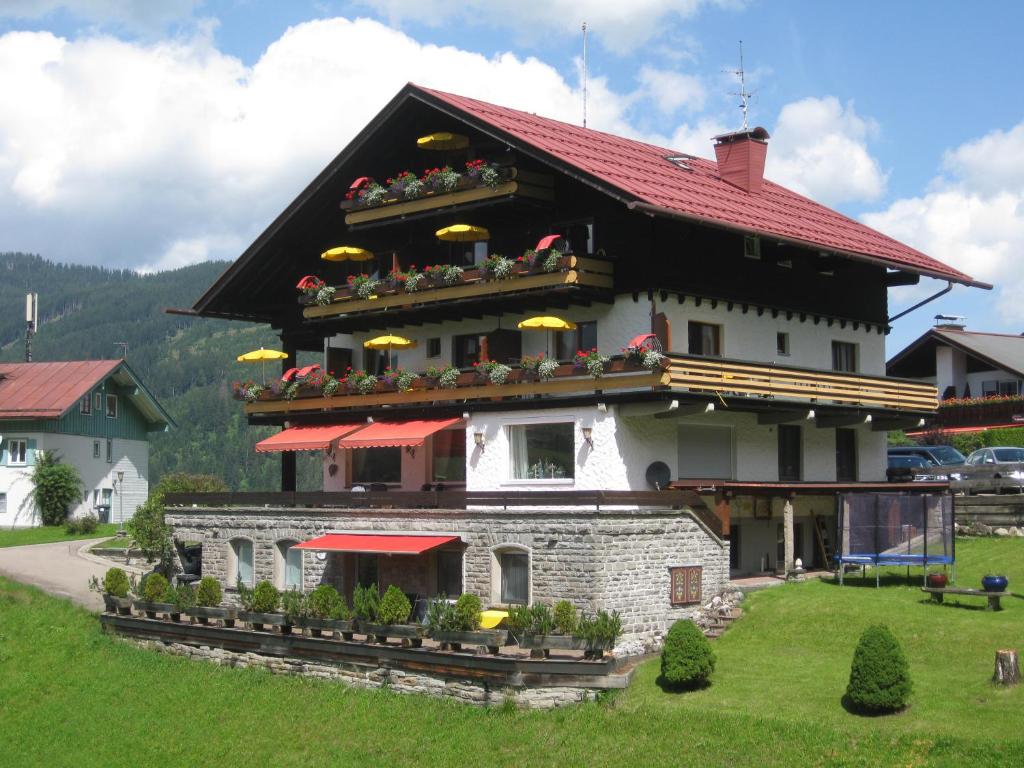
[
  {"x": 588, "y": 436},
  {"x": 480, "y": 440}
]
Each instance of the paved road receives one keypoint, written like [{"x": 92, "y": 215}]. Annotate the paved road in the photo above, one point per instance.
[{"x": 57, "y": 568}]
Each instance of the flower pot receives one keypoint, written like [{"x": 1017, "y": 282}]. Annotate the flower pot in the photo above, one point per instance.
[
  {"x": 339, "y": 627},
  {"x": 937, "y": 580},
  {"x": 202, "y": 614},
  {"x": 994, "y": 583},
  {"x": 409, "y": 634},
  {"x": 261, "y": 621},
  {"x": 119, "y": 605},
  {"x": 492, "y": 639},
  {"x": 544, "y": 644}
]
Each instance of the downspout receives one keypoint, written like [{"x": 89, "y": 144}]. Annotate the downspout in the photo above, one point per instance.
[{"x": 943, "y": 292}]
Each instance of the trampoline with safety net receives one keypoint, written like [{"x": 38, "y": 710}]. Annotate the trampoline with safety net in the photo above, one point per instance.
[{"x": 895, "y": 529}]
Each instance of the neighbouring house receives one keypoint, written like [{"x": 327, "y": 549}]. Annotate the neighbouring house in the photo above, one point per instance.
[
  {"x": 717, "y": 371},
  {"x": 979, "y": 376},
  {"x": 93, "y": 414}
]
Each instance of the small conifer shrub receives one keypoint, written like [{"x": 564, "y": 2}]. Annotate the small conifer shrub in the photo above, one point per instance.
[
  {"x": 116, "y": 583},
  {"x": 365, "y": 602},
  {"x": 879, "y": 675},
  {"x": 209, "y": 593},
  {"x": 325, "y": 603},
  {"x": 394, "y": 607},
  {"x": 155, "y": 588},
  {"x": 687, "y": 660},
  {"x": 467, "y": 612},
  {"x": 565, "y": 617},
  {"x": 265, "y": 598}
]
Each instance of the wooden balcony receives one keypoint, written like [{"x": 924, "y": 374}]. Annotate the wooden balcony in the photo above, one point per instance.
[
  {"x": 736, "y": 378},
  {"x": 575, "y": 274},
  {"x": 568, "y": 380}
]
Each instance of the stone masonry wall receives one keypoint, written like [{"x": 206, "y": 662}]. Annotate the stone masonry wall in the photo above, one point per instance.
[{"x": 610, "y": 559}]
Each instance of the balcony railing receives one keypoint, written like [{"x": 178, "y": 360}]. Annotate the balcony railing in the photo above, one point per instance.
[
  {"x": 729, "y": 378},
  {"x": 574, "y": 272},
  {"x": 620, "y": 373}
]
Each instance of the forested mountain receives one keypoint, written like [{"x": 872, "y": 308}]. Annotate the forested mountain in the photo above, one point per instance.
[{"x": 187, "y": 363}]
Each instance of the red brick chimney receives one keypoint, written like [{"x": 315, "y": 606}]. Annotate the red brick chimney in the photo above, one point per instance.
[{"x": 741, "y": 158}]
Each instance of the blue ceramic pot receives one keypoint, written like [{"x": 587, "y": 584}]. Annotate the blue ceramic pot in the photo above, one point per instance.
[{"x": 994, "y": 583}]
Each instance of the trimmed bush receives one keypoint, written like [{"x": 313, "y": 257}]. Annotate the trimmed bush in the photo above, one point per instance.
[
  {"x": 467, "y": 612},
  {"x": 565, "y": 617},
  {"x": 294, "y": 604},
  {"x": 183, "y": 596},
  {"x": 56, "y": 487},
  {"x": 879, "y": 675},
  {"x": 154, "y": 588},
  {"x": 265, "y": 598},
  {"x": 365, "y": 602},
  {"x": 394, "y": 607},
  {"x": 116, "y": 583},
  {"x": 209, "y": 593},
  {"x": 324, "y": 602},
  {"x": 76, "y": 526},
  {"x": 687, "y": 660}
]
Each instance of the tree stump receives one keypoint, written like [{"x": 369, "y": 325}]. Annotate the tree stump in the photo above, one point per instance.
[{"x": 1007, "y": 668}]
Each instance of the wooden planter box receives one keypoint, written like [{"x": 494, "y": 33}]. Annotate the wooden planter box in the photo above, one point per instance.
[
  {"x": 409, "y": 634},
  {"x": 491, "y": 639},
  {"x": 203, "y": 614},
  {"x": 170, "y": 610},
  {"x": 542, "y": 645},
  {"x": 265, "y": 622},
  {"x": 339, "y": 627},
  {"x": 122, "y": 606}
]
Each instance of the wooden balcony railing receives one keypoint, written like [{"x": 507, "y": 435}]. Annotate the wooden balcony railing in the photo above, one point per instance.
[
  {"x": 729, "y": 378},
  {"x": 569, "y": 380},
  {"x": 576, "y": 271}
]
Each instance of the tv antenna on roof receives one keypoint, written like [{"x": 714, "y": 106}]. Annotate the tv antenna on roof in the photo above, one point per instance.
[
  {"x": 743, "y": 93},
  {"x": 584, "y": 74},
  {"x": 123, "y": 345}
]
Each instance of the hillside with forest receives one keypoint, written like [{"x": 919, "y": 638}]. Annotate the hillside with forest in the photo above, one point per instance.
[{"x": 87, "y": 313}]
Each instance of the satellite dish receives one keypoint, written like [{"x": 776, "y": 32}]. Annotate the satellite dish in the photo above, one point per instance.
[{"x": 659, "y": 475}]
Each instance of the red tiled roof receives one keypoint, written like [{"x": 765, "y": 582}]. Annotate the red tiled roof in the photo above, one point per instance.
[
  {"x": 48, "y": 390},
  {"x": 642, "y": 172}
]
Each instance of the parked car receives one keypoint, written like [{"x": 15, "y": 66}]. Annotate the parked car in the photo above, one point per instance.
[
  {"x": 941, "y": 455},
  {"x": 999, "y": 469},
  {"x": 917, "y": 469}
]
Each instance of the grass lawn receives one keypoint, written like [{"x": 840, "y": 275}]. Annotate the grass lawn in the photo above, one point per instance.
[
  {"x": 121, "y": 542},
  {"x": 70, "y": 695},
  {"x": 48, "y": 534}
]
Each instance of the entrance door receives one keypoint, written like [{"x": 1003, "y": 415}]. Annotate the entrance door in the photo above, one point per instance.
[{"x": 734, "y": 547}]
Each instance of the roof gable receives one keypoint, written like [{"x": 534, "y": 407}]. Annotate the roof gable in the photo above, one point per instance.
[{"x": 1001, "y": 351}]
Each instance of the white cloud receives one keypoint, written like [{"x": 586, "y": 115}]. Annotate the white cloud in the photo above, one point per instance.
[
  {"x": 669, "y": 91},
  {"x": 973, "y": 216},
  {"x": 620, "y": 25},
  {"x": 137, "y": 15},
  {"x": 819, "y": 148}
]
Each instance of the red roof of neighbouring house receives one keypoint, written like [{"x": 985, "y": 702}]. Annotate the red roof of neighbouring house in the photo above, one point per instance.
[
  {"x": 49, "y": 390},
  {"x": 691, "y": 188}
]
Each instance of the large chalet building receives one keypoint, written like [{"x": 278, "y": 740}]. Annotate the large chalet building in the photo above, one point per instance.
[{"x": 717, "y": 344}]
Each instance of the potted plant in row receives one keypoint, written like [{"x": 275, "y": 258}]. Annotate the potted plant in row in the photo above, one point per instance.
[
  {"x": 260, "y": 607},
  {"x": 542, "y": 630},
  {"x": 454, "y": 625},
  {"x": 324, "y": 610},
  {"x": 599, "y": 633},
  {"x": 384, "y": 617},
  {"x": 156, "y": 596},
  {"x": 207, "y": 604},
  {"x": 114, "y": 588}
]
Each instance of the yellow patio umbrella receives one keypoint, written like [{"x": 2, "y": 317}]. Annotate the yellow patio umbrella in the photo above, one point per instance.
[
  {"x": 443, "y": 140},
  {"x": 389, "y": 342},
  {"x": 261, "y": 356},
  {"x": 462, "y": 233},
  {"x": 546, "y": 323},
  {"x": 346, "y": 253}
]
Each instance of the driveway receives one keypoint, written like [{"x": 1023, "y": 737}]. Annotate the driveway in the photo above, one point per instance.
[{"x": 58, "y": 568}]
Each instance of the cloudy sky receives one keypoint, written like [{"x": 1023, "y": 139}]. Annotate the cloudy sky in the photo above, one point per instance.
[{"x": 156, "y": 133}]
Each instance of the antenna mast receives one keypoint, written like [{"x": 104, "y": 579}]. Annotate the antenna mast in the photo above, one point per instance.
[
  {"x": 584, "y": 74},
  {"x": 744, "y": 94},
  {"x": 31, "y": 322}
]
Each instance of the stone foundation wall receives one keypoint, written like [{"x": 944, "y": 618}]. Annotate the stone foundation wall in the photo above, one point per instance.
[
  {"x": 607, "y": 559},
  {"x": 399, "y": 681}
]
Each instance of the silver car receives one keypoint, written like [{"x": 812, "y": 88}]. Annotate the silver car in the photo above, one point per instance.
[{"x": 997, "y": 469}]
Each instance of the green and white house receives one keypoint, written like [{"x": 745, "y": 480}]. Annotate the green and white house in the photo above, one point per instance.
[{"x": 95, "y": 415}]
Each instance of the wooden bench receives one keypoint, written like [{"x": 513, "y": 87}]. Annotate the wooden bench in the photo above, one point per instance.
[{"x": 937, "y": 594}]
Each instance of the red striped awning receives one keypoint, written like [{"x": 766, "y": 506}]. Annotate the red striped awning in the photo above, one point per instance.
[
  {"x": 376, "y": 544},
  {"x": 390, "y": 434},
  {"x": 306, "y": 438}
]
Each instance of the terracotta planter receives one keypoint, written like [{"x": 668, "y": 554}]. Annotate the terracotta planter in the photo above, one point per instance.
[
  {"x": 492, "y": 639},
  {"x": 203, "y": 614},
  {"x": 409, "y": 634},
  {"x": 937, "y": 580}
]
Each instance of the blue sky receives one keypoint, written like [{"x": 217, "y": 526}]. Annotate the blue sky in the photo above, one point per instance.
[{"x": 216, "y": 113}]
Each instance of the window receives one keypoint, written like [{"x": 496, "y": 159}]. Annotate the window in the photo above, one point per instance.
[
  {"x": 17, "y": 452},
  {"x": 988, "y": 388},
  {"x": 85, "y": 405},
  {"x": 846, "y": 455},
  {"x": 111, "y": 406},
  {"x": 97, "y": 401},
  {"x": 110, "y": 451},
  {"x": 377, "y": 465},
  {"x": 705, "y": 339},
  {"x": 790, "y": 459},
  {"x": 515, "y": 577},
  {"x": 96, "y": 449},
  {"x": 568, "y": 342},
  {"x": 95, "y": 497},
  {"x": 844, "y": 356},
  {"x": 465, "y": 350},
  {"x": 366, "y": 570},
  {"x": 107, "y": 497},
  {"x": 542, "y": 451},
  {"x": 434, "y": 347},
  {"x": 1009, "y": 388},
  {"x": 782, "y": 343},
  {"x": 242, "y": 560},
  {"x": 450, "y": 456},
  {"x": 3, "y": 503},
  {"x": 752, "y": 247},
  {"x": 288, "y": 565},
  {"x": 449, "y": 573}
]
